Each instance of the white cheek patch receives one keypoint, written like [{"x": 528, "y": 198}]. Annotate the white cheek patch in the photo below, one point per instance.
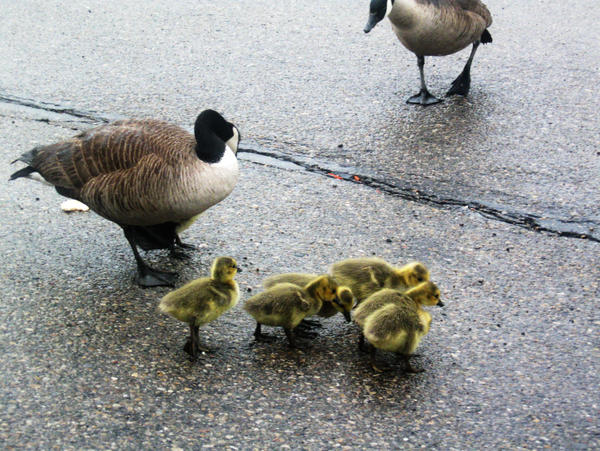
[{"x": 233, "y": 142}]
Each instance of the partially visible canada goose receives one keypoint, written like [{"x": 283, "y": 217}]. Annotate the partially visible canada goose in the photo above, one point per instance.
[
  {"x": 399, "y": 327},
  {"x": 285, "y": 305},
  {"x": 366, "y": 275},
  {"x": 342, "y": 304},
  {"x": 436, "y": 28},
  {"x": 203, "y": 300},
  {"x": 425, "y": 293},
  {"x": 150, "y": 177}
]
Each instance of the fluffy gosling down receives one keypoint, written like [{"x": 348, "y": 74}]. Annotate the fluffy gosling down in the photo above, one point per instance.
[
  {"x": 286, "y": 305},
  {"x": 203, "y": 300},
  {"x": 424, "y": 293},
  {"x": 365, "y": 276},
  {"x": 400, "y": 323},
  {"x": 342, "y": 304}
]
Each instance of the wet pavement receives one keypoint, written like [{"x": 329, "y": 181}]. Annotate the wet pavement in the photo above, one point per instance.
[{"x": 467, "y": 187}]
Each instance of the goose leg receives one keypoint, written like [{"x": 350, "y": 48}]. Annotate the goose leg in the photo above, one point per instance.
[
  {"x": 462, "y": 83},
  {"x": 379, "y": 369},
  {"x": 146, "y": 276},
  {"x": 423, "y": 97},
  {"x": 362, "y": 346},
  {"x": 289, "y": 333},
  {"x": 259, "y": 336},
  {"x": 191, "y": 346},
  {"x": 177, "y": 253},
  {"x": 183, "y": 245},
  {"x": 409, "y": 368}
]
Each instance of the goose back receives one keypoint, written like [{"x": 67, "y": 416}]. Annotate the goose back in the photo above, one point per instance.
[
  {"x": 438, "y": 27},
  {"x": 136, "y": 172}
]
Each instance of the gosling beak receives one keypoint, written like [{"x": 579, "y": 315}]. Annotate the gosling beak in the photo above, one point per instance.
[
  {"x": 239, "y": 269},
  {"x": 440, "y": 304},
  {"x": 373, "y": 20},
  {"x": 347, "y": 316}
]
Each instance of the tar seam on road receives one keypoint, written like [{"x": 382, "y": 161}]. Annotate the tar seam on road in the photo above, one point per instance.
[{"x": 555, "y": 226}]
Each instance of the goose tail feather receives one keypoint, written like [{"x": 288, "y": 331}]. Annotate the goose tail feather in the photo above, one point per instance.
[
  {"x": 26, "y": 171},
  {"x": 486, "y": 37},
  {"x": 26, "y": 158}
]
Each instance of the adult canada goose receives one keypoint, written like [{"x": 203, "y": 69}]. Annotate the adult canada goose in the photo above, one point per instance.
[
  {"x": 150, "y": 177},
  {"x": 436, "y": 28},
  {"x": 203, "y": 300}
]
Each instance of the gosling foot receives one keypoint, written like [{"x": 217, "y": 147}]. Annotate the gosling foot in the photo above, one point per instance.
[
  {"x": 304, "y": 333},
  {"x": 362, "y": 344},
  {"x": 310, "y": 324},
  {"x": 409, "y": 368},
  {"x": 187, "y": 347},
  {"x": 291, "y": 336},
  {"x": 379, "y": 368},
  {"x": 374, "y": 365},
  {"x": 259, "y": 336}
]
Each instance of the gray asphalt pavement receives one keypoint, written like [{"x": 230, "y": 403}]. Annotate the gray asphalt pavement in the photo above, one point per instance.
[{"x": 511, "y": 362}]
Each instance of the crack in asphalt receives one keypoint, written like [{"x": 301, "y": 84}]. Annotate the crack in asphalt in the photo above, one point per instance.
[
  {"x": 579, "y": 228},
  {"x": 569, "y": 228},
  {"x": 76, "y": 114}
]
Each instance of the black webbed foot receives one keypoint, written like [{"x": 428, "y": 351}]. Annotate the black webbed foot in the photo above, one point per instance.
[
  {"x": 148, "y": 277},
  {"x": 178, "y": 254},
  {"x": 176, "y": 249},
  {"x": 187, "y": 347},
  {"x": 424, "y": 98},
  {"x": 377, "y": 367},
  {"x": 307, "y": 324},
  {"x": 380, "y": 368},
  {"x": 461, "y": 85},
  {"x": 183, "y": 245},
  {"x": 363, "y": 345},
  {"x": 259, "y": 336},
  {"x": 409, "y": 368},
  {"x": 265, "y": 338},
  {"x": 305, "y": 333}
]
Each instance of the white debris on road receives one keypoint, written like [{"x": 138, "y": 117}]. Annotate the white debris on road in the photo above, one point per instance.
[{"x": 72, "y": 205}]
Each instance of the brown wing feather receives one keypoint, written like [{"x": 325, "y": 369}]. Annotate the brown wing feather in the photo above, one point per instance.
[
  {"x": 108, "y": 149},
  {"x": 475, "y": 6},
  {"x": 111, "y": 168}
]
